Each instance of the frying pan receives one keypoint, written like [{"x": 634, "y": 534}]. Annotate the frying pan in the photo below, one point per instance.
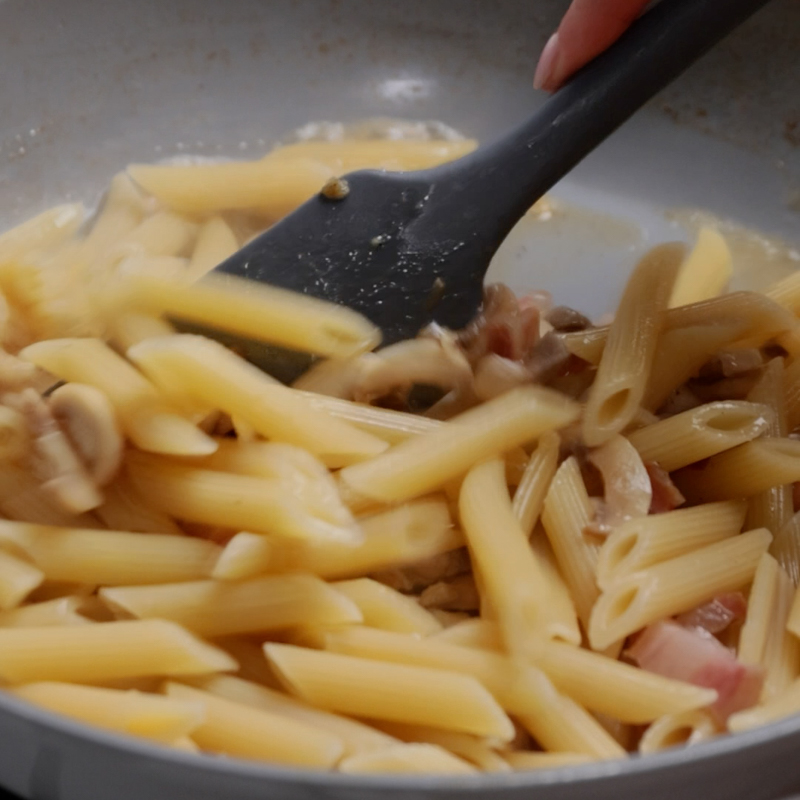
[{"x": 90, "y": 86}]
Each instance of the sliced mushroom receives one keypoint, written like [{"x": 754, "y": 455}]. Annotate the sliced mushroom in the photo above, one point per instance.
[
  {"x": 52, "y": 458},
  {"x": 86, "y": 416}
]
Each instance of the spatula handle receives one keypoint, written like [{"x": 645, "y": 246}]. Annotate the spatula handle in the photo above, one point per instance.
[{"x": 510, "y": 174}]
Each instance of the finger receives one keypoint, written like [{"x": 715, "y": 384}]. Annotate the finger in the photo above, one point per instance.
[{"x": 588, "y": 28}]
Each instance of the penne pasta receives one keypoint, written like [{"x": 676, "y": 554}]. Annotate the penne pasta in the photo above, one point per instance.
[
  {"x": 273, "y": 410},
  {"x": 429, "y": 759},
  {"x": 43, "y": 232},
  {"x": 780, "y": 707},
  {"x": 126, "y": 330},
  {"x": 214, "y": 608},
  {"x": 391, "y": 426},
  {"x": 356, "y": 737},
  {"x": 246, "y": 555},
  {"x": 760, "y": 607},
  {"x": 427, "y": 462},
  {"x": 234, "y": 501},
  {"x": 145, "y": 417},
  {"x": 511, "y": 576},
  {"x": 678, "y": 730},
  {"x": 597, "y": 682},
  {"x": 395, "y": 692},
  {"x": 744, "y": 471},
  {"x": 163, "y": 719},
  {"x": 781, "y": 656},
  {"x": 236, "y": 730},
  {"x": 674, "y": 586},
  {"x": 786, "y": 547},
  {"x": 107, "y": 651},
  {"x": 383, "y": 607},
  {"x": 256, "y": 311},
  {"x": 642, "y": 542},
  {"x": 18, "y": 578},
  {"x": 273, "y": 187},
  {"x": 705, "y": 272},
  {"x": 623, "y": 371},
  {"x": 111, "y": 557},
  {"x": 700, "y": 433},
  {"x": 215, "y": 243},
  {"x": 479, "y": 752},
  {"x": 566, "y": 514},
  {"x": 535, "y": 481},
  {"x": 45, "y": 614},
  {"x": 397, "y": 537}
]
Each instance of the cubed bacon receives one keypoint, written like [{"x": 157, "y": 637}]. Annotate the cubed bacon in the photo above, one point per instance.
[
  {"x": 666, "y": 496},
  {"x": 694, "y": 656},
  {"x": 716, "y": 615}
]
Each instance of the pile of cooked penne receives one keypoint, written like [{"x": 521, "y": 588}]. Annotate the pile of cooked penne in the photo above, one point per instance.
[{"x": 531, "y": 543}]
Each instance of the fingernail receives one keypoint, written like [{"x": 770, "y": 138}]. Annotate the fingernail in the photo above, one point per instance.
[{"x": 548, "y": 64}]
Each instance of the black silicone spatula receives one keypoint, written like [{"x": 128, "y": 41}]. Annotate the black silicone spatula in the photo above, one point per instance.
[{"x": 406, "y": 249}]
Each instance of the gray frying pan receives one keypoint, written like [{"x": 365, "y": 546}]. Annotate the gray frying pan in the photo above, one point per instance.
[{"x": 91, "y": 86}]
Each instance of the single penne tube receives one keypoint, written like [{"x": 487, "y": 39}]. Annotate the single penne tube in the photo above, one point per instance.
[
  {"x": 524, "y": 760},
  {"x": 161, "y": 234},
  {"x": 145, "y": 417},
  {"x": 150, "y": 716},
  {"x": 106, "y": 651},
  {"x": 395, "y": 155},
  {"x": 121, "y": 210},
  {"x": 597, "y": 682},
  {"x": 760, "y": 607},
  {"x": 215, "y": 608},
  {"x": 356, "y": 737},
  {"x": 750, "y": 317},
  {"x": 385, "y": 608},
  {"x": 624, "y": 369},
  {"x": 126, "y": 330},
  {"x": 233, "y": 501},
  {"x": 480, "y": 752},
  {"x": 784, "y": 705},
  {"x": 49, "y": 613},
  {"x": 511, "y": 575},
  {"x": 18, "y": 578},
  {"x": 427, "y": 462},
  {"x": 678, "y": 730},
  {"x": 111, "y": 557},
  {"x": 396, "y": 692},
  {"x": 705, "y": 272},
  {"x": 772, "y": 508},
  {"x": 566, "y": 514},
  {"x": 43, "y": 232},
  {"x": 700, "y": 433},
  {"x": 273, "y": 187},
  {"x": 391, "y": 426},
  {"x": 472, "y": 632},
  {"x": 786, "y": 292},
  {"x": 744, "y": 471},
  {"x": 233, "y": 729},
  {"x": 563, "y": 615},
  {"x": 427, "y": 759},
  {"x": 400, "y": 536},
  {"x": 257, "y": 311},
  {"x": 185, "y": 745},
  {"x": 124, "y": 509},
  {"x": 304, "y": 475},
  {"x": 535, "y": 481},
  {"x": 215, "y": 243},
  {"x": 781, "y": 658},
  {"x": 639, "y": 543},
  {"x": 215, "y": 376},
  {"x": 786, "y": 547},
  {"x": 245, "y": 556},
  {"x": 675, "y": 586}
]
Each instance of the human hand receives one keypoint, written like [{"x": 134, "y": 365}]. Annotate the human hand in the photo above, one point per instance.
[{"x": 588, "y": 28}]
